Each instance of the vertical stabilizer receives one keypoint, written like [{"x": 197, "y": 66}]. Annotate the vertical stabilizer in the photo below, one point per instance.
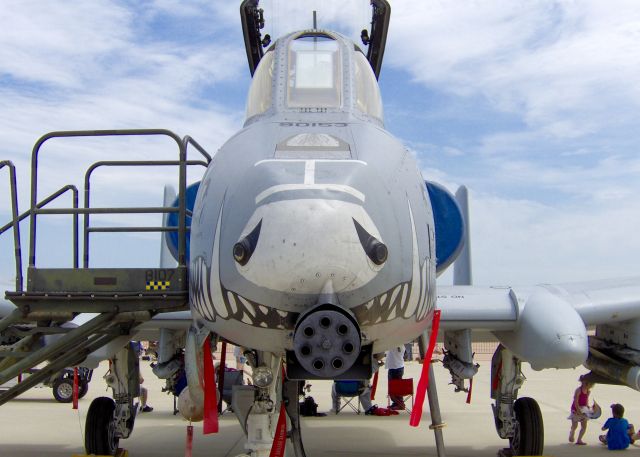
[
  {"x": 457, "y": 344},
  {"x": 166, "y": 259},
  {"x": 462, "y": 266}
]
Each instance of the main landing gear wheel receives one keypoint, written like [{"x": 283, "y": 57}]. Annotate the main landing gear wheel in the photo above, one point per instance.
[
  {"x": 83, "y": 388},
  {"x": 63, "y": 390},
  {"x": 529, "y": 434},
  {"x": 99, "y": 435}
]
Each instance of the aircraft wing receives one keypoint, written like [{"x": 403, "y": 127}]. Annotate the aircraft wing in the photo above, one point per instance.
[
  {"x": 545, "y": 325},
  {"x": 606, "y": 301},
  {"x": 498, "y": 308}
]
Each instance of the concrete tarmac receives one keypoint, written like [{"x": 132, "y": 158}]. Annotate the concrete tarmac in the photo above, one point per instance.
[{"x": 35, "y": 425}]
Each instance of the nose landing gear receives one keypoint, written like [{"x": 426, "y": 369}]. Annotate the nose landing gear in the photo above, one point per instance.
[{"x": 109, "y": 420}]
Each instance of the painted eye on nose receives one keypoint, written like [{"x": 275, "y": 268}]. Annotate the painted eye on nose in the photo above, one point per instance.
[
  {"x": 375, "y": 249},
  {"x": 243, "y": 249}
]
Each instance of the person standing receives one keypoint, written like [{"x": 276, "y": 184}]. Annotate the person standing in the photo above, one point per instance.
[
  {"x": 579, "y": 409},
  {"x": 238, "y": 352},
  {"x": 395, "y": 370},
  {"x": 408, "y": 356},
  {"x": 144, "y": 394}
]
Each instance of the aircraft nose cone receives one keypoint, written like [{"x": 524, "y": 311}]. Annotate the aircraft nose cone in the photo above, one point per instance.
[{"x": 319, "y": 242}]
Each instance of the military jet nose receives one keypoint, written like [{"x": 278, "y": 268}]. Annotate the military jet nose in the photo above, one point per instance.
[{"x": 297, "y": 245}]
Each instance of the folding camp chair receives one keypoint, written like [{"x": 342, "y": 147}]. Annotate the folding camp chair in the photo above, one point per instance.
[
  {"x": 401, "y": 388},
  {"x": 349, "y": 391},
  {"x": 231, "y": 377}
]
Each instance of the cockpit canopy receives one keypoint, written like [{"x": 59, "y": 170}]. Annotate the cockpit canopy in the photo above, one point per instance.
[{"x": 315, "y": 71}]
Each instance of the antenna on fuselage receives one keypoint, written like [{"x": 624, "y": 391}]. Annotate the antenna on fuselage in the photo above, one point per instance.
[{"x": 315, "y": 22}]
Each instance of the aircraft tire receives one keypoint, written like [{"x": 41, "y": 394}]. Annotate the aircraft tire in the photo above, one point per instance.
[
  {"x": 99, "y": 435},
  {"x": 83, "y": 388},
  {"x": 529, "y": 436},
  {"x": 63, "y": 390}
]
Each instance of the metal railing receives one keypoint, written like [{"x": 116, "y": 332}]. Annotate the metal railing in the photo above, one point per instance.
[
  {"x": 58, "y": 294},
  {"x": 87, "y": 229},
  {"x": 15, "y": 223},
  {"x": 86, "y": 211},
  {"x": 42, "y": 204}
]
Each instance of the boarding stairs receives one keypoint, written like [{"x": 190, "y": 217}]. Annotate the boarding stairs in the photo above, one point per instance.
[{"x": 37, "y": 331}]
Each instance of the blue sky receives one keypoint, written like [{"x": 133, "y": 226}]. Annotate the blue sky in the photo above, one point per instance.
[{"x": 534, "y": 105}]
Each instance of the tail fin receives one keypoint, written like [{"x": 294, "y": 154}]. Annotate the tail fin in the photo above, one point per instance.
[{"x": 462, "y": 274}]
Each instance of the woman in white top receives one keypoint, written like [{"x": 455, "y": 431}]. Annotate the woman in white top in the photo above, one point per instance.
[{"x": 395, "y": 370}]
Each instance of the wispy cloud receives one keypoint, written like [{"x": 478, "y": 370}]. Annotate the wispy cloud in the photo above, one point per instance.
[
  {"x": 533, "y": 105},
  {"x": 103, "y": 65},
  {"x": 563, "y": 66}
]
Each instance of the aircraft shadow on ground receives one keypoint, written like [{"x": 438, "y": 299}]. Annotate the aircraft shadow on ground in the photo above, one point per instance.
[
  {"x": 165, "y": 440},
  {"x": 38, "y": 400}
]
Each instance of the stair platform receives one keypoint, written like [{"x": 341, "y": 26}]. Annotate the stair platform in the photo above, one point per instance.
[{"x": 98, "y": 290}]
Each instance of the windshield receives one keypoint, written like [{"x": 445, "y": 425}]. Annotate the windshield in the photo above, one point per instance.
[
  {"x": 259, "y": 99},
  {"x": 368, "y": 98},
  {"x": 315, "y": 77}
]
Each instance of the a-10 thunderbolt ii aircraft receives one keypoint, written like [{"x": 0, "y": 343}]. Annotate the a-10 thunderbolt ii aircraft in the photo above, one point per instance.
[{"x": 315, "y": 243}]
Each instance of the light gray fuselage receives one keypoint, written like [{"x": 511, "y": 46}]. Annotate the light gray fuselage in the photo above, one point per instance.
[{"x": 304, "y": 178}]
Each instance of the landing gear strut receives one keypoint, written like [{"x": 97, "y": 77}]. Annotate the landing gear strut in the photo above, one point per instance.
[
  {"x": 517, "y": 419},
  {"x": 109, "y": 420},
  {"x": 434, "y": 405},
  {"x": 257, "y": 408},
  {"x": 290, "y": 394}
]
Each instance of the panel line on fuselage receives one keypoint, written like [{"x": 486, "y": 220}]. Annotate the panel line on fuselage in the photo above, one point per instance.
[{"x": 293, "y": 187}]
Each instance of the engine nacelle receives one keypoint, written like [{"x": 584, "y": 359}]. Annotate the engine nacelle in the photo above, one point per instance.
[
  {"x": 172, "y": 220},
  {"x": 449, "y": 225}
]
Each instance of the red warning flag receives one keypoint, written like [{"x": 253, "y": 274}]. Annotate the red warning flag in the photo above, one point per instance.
[
  {"x": 210, "y": 394},
  {"x": 495, "y": 383},
  {"x": 188, "y": 446},
  {"x": 423, "y": 384},
  {"x": 374, "y": 386},
  {"x": 280, "y": 440},
  {"x": 470, "y": 389},
  {"x": 75, "y": 387}
]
